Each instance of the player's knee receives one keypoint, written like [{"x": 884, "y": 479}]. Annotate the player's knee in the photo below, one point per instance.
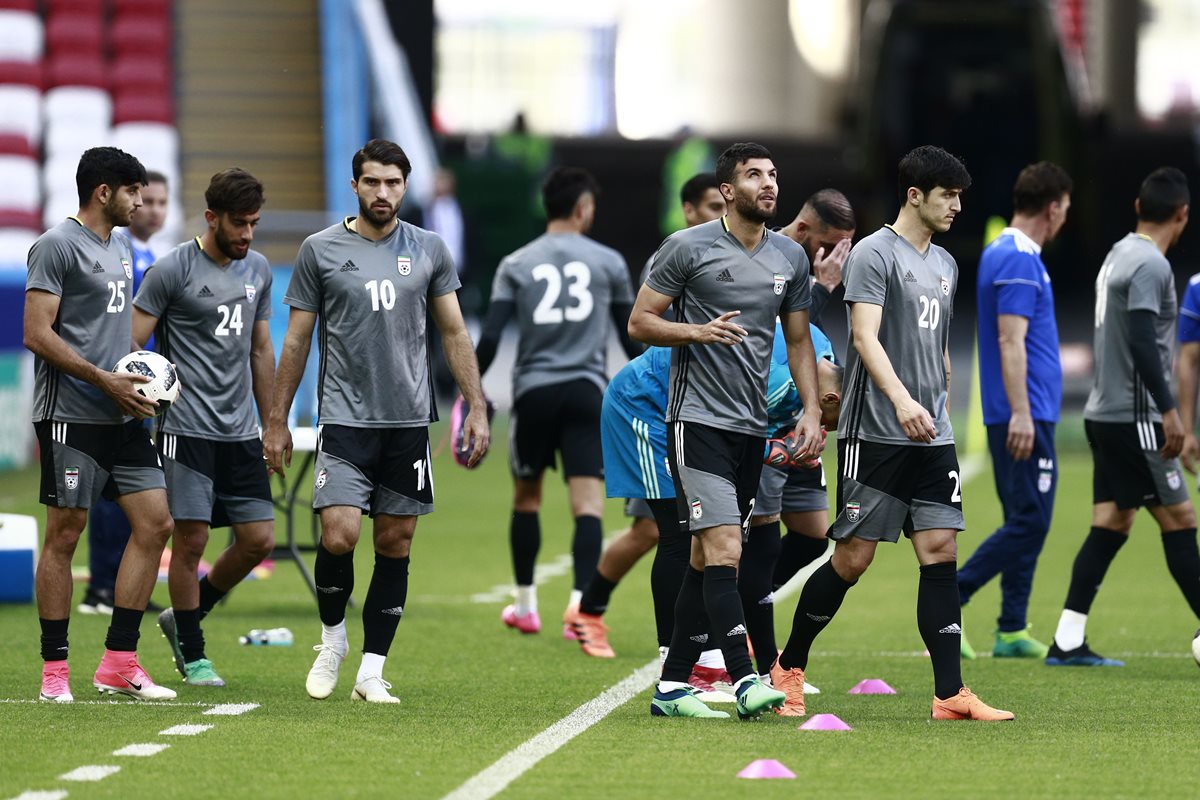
[
  {"x": 338, "y": 542},
  {"x": 645, "y": 533},
  {"x": 62, "y": 539},
  {"x": 154, "y": 530},
  {"x": 850, "y": 563},
  {"x": 259, "y": 547}
]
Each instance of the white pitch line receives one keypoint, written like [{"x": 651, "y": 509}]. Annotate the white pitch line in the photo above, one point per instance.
[
  {"x": 55, "y": 794},
  {"x": 141, "y": 750},
  {"x": 519, "y": 760},
  {"x": 516, "y": 762},
  {"x": 122, "y": 703},
  {"x": 185, "y": 730},
  {"x": 89, "y": 773},
  {"x": 231, "y": 709}
]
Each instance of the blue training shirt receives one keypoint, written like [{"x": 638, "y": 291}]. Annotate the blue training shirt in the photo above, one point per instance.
[
  {"x": 1189, "y": 312},
  {"x": 1013, "y": 280}
]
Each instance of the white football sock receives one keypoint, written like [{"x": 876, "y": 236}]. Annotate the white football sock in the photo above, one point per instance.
[
  {"x": 576, "y": 596},
  {"x": 335, "y": 636},
  {"x": 670, "y": 686},
  {"x": 526, "y": 600},
  {"x": 713, "y": 659},
  {"x": 371, "y": 667},
  {"x": 662, "y": 655},
  {"x": 1071, "y": 630}
]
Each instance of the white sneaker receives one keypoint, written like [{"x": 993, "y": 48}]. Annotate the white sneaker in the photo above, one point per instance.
[
  {"x": 323, "y": 677},
  {"x": 810, "y": 689},
  {"x": 374, "y": 690}
]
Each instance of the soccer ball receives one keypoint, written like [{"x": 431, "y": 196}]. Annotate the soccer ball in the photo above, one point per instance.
[
  {"x": 1196, "y": 648},
  {"x": 458, "y": 415},
  {"x": 163, "y": 386}
]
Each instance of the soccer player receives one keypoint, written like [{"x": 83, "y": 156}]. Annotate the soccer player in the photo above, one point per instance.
[
  {"x": 716, "y": 273},
  {"x": 1020, "y": 381},
  {"x": 108, "y": 529},
  {"x": 825, "y": 227},
  {"x": 371, "y": 280},
  {"x": 897, "y": 468},
  {"x": 78, "y": 324},
  {"x": 1133, "y": 426},
  {"x": 563, "y": 288},
  {"x": 210, "y": 301}
]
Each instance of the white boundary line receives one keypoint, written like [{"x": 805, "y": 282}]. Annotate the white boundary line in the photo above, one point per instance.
[
  {"x": 55, "y": 794},
  {"x": 89, "y": 774},
  {"x": 125, "y": 703},
  {"x": 185, "y": 730},
  {"x": 141, "y": 750}
]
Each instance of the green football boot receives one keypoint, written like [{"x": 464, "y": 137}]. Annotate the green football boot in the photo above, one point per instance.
[
  {"x": 201, "y": 673},
  {"x": 166, "y": 623},
  {"x": 1018, "y": 644},
  {"x": 754, "y": 697},
  {"x": 682, "y": 703}
]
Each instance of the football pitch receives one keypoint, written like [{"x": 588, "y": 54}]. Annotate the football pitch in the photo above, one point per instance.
[{"x": 486, "y": 710}]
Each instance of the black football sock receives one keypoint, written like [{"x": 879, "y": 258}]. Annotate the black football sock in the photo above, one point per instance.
[
  {"x": 191, "y": 638},
  {"x": 939, "y": 620},
  {"x": 670, "y": 564},
  {"x": 796, "y": 552},
  {"x": 596, "y": 595},
  {"x": 525, "y": 538},
  {"x": 1183, "y": 560},
  {"x": 754, "y": 587},
  {"x": 820, "y": 600},
  {"x": 691, "y": 633},
  {"x": 124, "y": 631},
  {"x": 1097, "y": 553},
  {"x": 384, "y": 605},
  {"x": 585, "y": 549},
  {"x": 209, "y": 596},
  {"x": 334, "y": 576},
  {"x": 54, "y": 639},
  {"x": 728, "y": 623}
]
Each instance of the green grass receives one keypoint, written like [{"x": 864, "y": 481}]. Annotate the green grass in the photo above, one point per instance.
[{"x": 471, "y": 690}]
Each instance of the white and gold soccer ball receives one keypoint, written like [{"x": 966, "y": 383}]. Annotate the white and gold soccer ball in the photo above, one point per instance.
[
  {"x": 163, "y": 386},
  {"x": 1196, "y": 648}
]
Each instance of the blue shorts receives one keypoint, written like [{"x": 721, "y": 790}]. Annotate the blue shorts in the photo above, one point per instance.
[{"x": 635, "y": 451}]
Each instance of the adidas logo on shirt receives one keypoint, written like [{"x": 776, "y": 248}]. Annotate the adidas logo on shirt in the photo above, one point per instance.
[
  {"x": 206, "y": 292},
  {"x": 908, "y": 277},
  {"x": 96, "y": 268},
  {"x": 953, "y": 628},
  {"x": 724, "y": 277},
  {"x": 348, "y": 267}
]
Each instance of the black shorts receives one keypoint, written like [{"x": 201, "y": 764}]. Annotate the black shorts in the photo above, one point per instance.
[
  {"x": 562, "y": 418},
  {"x": 1127, "y": 469},
  {"x": 217, "y": 482},
  {"x": 378, "y": 470},
  {"x": 82, "y": 463},
  {"x": 716, "y": 474},
  {"x": 886, "y": 488}
]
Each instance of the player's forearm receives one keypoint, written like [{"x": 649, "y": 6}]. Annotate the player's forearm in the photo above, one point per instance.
[
  {"x": 49, "y": 346},
  {"x": 262, "y": 379},
  {"x": 287, "y": 378},
  {"x": 460, "y": 355},
  {"x": 802, "y": 364},
  {"x": 649, "y": 328},
  {"x": 1014, "y": 373},
  {"x": 875, "y": 359}
]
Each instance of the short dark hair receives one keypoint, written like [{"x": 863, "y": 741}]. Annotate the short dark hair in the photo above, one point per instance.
[
  {"x": 106, "y": 166},
  {"x": 1039, "y": 185},
  {"x": 832, "y": 207},
  {"x": 154, "y": 176},
  {"x": 234, "y": 191},
  {"x": 381, "y": 151},
  {"x": 693, "y": 191},
  {"x": 1163, "y": 193},
  {"x": 562, "y": 189},
  {"x": 927, "y": 166},
  {"x": 736, "y": 154}
]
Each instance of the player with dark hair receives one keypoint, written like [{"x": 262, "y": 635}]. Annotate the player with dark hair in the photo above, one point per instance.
[
  {"x": 1134, "y": 429},
  {"x": 714, "y": 273},
  {"x": 701, "y": 199},
  {"x": 563, "y": 288},
  {"x": 372, "y": 280},
  {"x": 825, "y": 227},
  {"x": 897, "y": 468},
  {"x": 78, "y": 324},
  {"x": 210, "y": 301},
  {"x": 1020, "y": 381}
]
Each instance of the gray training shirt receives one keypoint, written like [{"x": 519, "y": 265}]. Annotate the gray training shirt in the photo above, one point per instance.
[
  {"x": 206, "y": 315},
  {"x": 917, "y": 295},
  {"x": 709, "y": 273},
  {"x": 1135, "y": 276},
  {"x": 372, "y": 298},
  {"x": 563, "y": 285},
  {"x": 94, "y": 280}
]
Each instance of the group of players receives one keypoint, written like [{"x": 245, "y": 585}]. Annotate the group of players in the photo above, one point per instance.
[{"x": 713, "y": 434}]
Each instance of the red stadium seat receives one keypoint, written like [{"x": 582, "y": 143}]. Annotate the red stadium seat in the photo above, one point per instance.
[
  {"x": 76, "y": 35},
  {"x": 142, "y": 72},
  {"x": 133, "y": 105},
  {"x": 140, "y": 35},
  {"x": 90, "y": 8},
  {"x": 22, "y": 73},
  {"x": 14, "y": 144},
  {"x": 77, "y": 70},
  {"x": 157, "y": 9},
  {"x": 19, "y": 5},
  {"x": 13, "y": 218}
]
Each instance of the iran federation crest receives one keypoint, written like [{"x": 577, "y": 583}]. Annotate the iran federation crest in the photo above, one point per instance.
[
  {"x": 853, "y": 511},
  {"x": 71, "y": 478},
  {"x": 1045, "y": 480},
  {"x": 945, "y": 286},
  {"x": 322, "y": 478},
  {"x": 251, "y": 292},
  {"x": 404, "y": 265},
  {"x": 128, "y": 267},
  {"x": 780, "y": 280},
  {"x": 697, "y": 511},
  {"x": 1174, "y": 480}
]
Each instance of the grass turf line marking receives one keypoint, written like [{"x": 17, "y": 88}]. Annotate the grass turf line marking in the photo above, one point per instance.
[
  {"x": 522, "y": 758},
  {"x": 231, "y": 709},
  {"x": 141, "y": 750},
  {"x": 89, "y": 773},
  {"x": 56, "y": 794},
  {"x": 123, "y": 703},
  {"x": 184, "y": 730}
]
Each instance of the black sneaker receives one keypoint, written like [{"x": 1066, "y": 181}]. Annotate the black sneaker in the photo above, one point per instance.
[
  {"x": 97, "y": 601},
  {"x": 1081, "y": 656}
]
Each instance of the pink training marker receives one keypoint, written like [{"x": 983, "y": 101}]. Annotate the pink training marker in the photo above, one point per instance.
[
  {"x": 872, "y": 686},
  {"x": 766, "y": 768},
  {"x": 825, "y": 722}
]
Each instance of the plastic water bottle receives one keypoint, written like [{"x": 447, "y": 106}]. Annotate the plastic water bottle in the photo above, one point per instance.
[{"x": 278, "y": 637}]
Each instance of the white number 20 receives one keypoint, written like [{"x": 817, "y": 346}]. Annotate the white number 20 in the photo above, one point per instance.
[{"x": 931, "y": 313}]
